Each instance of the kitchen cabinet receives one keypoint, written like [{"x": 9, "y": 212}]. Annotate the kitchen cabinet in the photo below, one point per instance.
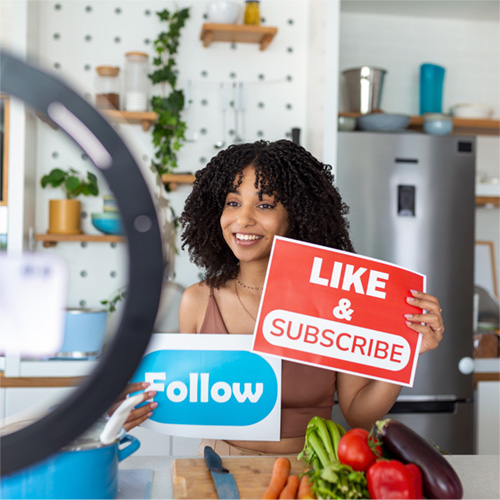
[
  {"x": 237, "y": 33},
  {"x": 19, "y": 399},
  {"x": 488, "y": 417}
]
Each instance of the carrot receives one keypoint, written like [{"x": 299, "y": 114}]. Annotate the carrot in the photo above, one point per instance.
[
  {"x": 291, "y": 487},
  {"x": 279, "y": 476},
  {"x": 305, "y": 491}
]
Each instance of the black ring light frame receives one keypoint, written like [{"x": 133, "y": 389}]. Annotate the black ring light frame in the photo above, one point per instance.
[{"x": 104, "y": 147}]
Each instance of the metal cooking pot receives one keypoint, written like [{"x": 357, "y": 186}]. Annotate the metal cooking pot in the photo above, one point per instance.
[
  {"x": 364, "y": 88},
  {"x": 84, "y": 333},
  {"x": 83, "y": 469}
]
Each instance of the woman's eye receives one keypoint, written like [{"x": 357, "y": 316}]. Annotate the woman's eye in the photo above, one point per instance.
[
  {"x": 266, "y": 205},
  {"x": 232, "y": 203}
]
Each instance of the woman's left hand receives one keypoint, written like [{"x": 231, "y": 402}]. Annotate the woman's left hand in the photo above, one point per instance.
[
  {"x": 138, "y": 415},
  {"x": 429, "y": 324}
]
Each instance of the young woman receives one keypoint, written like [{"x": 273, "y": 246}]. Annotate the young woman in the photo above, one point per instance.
[{"x": 245, "y": 196}]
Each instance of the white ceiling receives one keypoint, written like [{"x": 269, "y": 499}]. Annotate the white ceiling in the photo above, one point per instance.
[{"x": 480, "y": 10}]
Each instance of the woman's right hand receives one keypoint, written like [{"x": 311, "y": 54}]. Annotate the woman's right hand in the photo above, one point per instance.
[{"x": 138, "y": 415}]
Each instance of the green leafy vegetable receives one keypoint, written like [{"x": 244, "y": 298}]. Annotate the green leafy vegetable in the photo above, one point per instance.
[{"x": 330, "y": 478}]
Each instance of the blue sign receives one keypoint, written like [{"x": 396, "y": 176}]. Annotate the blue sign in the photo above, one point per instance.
[{"x": 232, "y": 388}]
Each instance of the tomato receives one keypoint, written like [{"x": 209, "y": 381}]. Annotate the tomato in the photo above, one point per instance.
[{"x": 354, "y": 450}]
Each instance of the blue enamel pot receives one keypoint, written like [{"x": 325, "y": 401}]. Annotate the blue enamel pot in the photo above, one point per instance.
[{"x": 81, "y": 471}]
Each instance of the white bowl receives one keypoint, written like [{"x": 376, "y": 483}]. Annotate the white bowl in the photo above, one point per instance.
[
  {"x": 223, "y": 11},
  {"x": 471, "y": 111}
]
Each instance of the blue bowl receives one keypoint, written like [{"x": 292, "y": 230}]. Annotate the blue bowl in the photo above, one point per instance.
[
  {"x": 108, "y": 223},
  {"x": 436, "y": 125},
  {"x": 383, "y": 122}
]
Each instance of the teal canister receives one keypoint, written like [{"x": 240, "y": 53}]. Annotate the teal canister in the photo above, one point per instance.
[{"x": 431, "y": 88}]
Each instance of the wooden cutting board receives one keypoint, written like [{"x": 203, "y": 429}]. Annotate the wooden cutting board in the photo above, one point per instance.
[{"x": 191, "y": 478}]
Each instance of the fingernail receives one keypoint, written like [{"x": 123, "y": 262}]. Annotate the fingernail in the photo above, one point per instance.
[
  {"x": 145, "y": 384},
  {"x": 408, "y": 316},
  {"x": 153, "y": 405},
  {"x": 410, "y": 299},
  {"x": 414, "y": 292},
  {"x": 151, "y": 394},
  {"x": 150, "y": 414},
  {"x": 408, "y": 323}
]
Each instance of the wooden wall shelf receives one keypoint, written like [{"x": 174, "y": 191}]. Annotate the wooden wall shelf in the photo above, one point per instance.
[
  {"x": 473, "y": 126},
  {"x": 175, "y": 179},
  {"x": 488, "y": 200},
  {"x": 237, "y": 33},
  {"x": 50, "y": 240},
  {"x": 146, "y": 118}
]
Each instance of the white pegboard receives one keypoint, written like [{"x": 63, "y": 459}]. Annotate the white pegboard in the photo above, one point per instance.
[{"x": 75, "y": 36}]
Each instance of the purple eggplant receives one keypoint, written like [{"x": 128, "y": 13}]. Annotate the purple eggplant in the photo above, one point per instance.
[{"x": 402, "y": 443}]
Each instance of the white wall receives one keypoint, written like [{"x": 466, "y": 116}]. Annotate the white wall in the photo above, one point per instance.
[{"x": 468, "y": 49}]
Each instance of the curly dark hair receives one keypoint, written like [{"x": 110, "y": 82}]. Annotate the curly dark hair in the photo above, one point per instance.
[{"x": 284, "y": 169}]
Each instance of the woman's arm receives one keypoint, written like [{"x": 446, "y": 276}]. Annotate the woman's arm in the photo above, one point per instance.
[{"x": 363, "y": 401}]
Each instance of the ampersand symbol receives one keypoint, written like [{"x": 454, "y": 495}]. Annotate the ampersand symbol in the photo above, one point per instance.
[{"x": 342, "y": 311}]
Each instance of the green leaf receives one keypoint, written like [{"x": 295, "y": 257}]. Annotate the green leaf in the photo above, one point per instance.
[{"x": 72, "y": 183}]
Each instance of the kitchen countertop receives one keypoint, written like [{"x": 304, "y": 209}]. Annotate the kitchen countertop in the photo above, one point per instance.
[{"x": 478, "y": 473}]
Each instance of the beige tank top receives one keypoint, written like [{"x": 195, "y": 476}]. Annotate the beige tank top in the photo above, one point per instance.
[{"x": 306, "y": 391}]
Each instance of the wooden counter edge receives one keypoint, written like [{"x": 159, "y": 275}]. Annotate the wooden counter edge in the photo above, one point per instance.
[
  {"x": 486, "y": 377},
  {"x": 17, "y": 382}
]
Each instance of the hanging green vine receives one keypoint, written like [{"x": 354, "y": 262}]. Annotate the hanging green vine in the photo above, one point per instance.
[{"x": 168, "y": 133}]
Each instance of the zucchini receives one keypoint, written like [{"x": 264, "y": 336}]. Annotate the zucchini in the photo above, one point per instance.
[{"x": 402, "y": 443}]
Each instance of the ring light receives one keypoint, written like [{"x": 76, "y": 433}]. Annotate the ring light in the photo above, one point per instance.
[{"x": 104, "y": 147}]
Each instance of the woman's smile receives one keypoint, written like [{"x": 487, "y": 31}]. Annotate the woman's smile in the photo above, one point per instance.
[{"x": 246, "y": 239}]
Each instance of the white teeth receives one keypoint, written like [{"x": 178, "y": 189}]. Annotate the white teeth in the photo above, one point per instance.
[{"x": 247, "y": 237}]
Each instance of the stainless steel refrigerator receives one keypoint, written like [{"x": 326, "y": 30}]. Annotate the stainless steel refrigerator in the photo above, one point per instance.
[{"x": 412, "y": 202}]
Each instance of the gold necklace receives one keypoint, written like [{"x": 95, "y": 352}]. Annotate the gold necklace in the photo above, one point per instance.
[
  {"x": 241, "y": 303},
  {"x": 249, "y": 287}
]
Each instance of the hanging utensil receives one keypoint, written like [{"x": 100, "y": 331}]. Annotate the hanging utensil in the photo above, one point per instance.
[
  {"x": 236, "y": 106},
  {"x": 112, "y": 429},
  {"x": 223, "y": 95},
  {"x": 242, "y": 109}
]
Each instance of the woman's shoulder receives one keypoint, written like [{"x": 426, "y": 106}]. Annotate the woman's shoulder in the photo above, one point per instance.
[
  {"x": 197, "y": 292},
  {"x": 193, "y": 306}
]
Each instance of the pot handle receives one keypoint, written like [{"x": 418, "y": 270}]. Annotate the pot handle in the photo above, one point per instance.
[{"x": 132, "y": 447}]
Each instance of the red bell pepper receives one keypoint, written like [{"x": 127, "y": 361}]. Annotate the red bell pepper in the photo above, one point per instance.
[{"x": 391, "y": 479}]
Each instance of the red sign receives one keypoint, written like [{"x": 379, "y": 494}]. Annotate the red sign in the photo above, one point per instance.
[{"x": 338, "y": 310}]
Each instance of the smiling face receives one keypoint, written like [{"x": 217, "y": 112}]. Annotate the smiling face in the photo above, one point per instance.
[{"x": 248, "y": 223}]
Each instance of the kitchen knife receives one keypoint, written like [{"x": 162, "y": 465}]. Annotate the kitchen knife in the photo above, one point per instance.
[{"x": 223, "y": 479}]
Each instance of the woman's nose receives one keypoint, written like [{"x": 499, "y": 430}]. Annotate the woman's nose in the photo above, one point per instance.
[{"x": 245, "y": 216}]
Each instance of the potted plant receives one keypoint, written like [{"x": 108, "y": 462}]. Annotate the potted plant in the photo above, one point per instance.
[{"x": 64, "y": 214}]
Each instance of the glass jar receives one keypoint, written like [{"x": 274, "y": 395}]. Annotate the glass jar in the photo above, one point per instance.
[
  {"x": 252, "y": 12},
  {"x": 136, "y": 81},
  {"x": 107, "y": 87}
]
